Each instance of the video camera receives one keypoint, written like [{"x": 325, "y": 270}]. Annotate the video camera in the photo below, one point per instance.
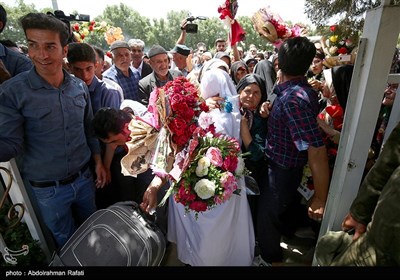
[
  {"x": 61, "y": 16},
  {"x": 192, "y": 27},
  {"x": 67, "y": 19}
]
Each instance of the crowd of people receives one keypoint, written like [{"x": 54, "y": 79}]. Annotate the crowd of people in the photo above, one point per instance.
[{"x": 65, "y": 117}]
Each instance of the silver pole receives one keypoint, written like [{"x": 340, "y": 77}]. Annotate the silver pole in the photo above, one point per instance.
[{"x": 55, "y": 4}]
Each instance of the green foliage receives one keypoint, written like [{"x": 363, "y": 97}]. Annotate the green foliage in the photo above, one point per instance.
[
  {"x": 165, "y": 31},
  {"x": 18, "y": 236},
  {"x": 162, "y": 31},
  {"x": 349, "y": 15}
]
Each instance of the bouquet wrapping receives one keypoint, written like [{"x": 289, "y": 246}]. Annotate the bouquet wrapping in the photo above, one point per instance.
[
  {"x": 176, "y": 106},
  {"x": 140, "y": 147},
  {"x": 273, "y": 28}
]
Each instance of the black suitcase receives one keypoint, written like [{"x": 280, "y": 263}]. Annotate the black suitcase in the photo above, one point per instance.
[{"x": 120, "y": 235}]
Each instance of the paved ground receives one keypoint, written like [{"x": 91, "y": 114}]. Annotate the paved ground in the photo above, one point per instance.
[{"x": 297, "y": 252}]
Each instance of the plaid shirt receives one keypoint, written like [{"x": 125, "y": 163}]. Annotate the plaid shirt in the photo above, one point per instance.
[
  {"x": 292, "y": 124},
  {"x": 130, "y": 85}
]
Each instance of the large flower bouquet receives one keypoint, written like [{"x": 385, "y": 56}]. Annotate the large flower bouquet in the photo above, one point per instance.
[
  {"x": 209, "y": 169},
  {"x": 83, "y": 30},
  {"x": 338, "y": 49},
  {"x": 272, "y": 27},
  {"x": 227, "y": 11},
  {"x": 176, "y": 108}
]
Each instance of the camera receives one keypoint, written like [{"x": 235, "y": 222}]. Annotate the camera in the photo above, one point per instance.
[
  {"x": 192, "y": 27},
  {"x": 61, "y": 16},
  {"x": 67, "y": 19}
]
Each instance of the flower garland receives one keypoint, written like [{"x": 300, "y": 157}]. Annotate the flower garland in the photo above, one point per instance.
[
  {"x": 210, "y": 166},
  {"x": 82, "y": 30},
  {"x": 228, "y": 10}
]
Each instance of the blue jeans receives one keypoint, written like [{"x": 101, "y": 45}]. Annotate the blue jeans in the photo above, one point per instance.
[
  {"x": 64, "y": 207},
  {"x": 276, "y": 199}
]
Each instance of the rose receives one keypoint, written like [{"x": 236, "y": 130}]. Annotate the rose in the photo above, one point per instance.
[
  {"x": 184, "y": 111},
  {"x": 184, "y": 194},
  {"x": 177, "y": 126},
  {"x": 224, "y": 197},
  {"x": 198, "y": 206},
  {"x": 205, "y": 120},
  {"x": 202, "y": 166},
  {"x": 175, "y": 99},
  {"x": 214, "y": 154},
  {"x": 205, "y": 188},
  {"x": 228, "y": 181},
  {"x": 230, "y": 163}
]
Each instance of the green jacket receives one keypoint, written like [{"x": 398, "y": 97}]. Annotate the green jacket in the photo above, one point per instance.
[{"x": 378, "y": 200}]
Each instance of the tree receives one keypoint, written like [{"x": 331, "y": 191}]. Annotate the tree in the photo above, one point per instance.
[
  {"x": 349, "y": 15},
  {"x": 13, "y": 30}
]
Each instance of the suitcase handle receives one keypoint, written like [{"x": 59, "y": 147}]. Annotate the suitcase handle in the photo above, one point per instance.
[{"x": 144, "y": 217}]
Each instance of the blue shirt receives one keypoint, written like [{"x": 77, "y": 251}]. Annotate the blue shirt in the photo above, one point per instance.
[
  {"x": 130, "y": 85},
  {"x": 292, "y": 124},
  {"x": 49, "y": 128},
  {"x": 103, "y": 96},
  {"x": 14, "y": 62}
]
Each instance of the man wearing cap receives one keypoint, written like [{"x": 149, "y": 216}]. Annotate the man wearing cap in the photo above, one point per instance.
[
  {"x": 180, "y": 54},
  {"x": 158, "y": 60},
  {"x": 122, "y": 72}
]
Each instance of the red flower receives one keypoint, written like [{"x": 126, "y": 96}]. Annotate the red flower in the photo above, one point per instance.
[
  {"x": 198, "y": 206},
  {"x": 332, "y": 28},
  {"x": 185, "y": 106},
  {"x": 343, "y": 50},
  {"x": 76, "y": 27},
  {"x": 230, "y": 163}
]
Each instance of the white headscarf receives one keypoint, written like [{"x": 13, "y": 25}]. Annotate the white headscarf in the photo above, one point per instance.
[
  {"x": 217, "y": 82},
  {"x": 212, "y": 64}
]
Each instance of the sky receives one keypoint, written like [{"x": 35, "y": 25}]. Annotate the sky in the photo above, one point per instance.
[{"x": 289, "y": 10}]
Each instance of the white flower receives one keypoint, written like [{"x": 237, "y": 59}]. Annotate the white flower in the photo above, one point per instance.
[
  {"x": 202, "y": 166},
  {"x": 240, "y": 167},
  {"x": 205, "y": 188}
]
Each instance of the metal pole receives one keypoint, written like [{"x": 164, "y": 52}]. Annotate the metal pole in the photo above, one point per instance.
[{"x": 55, "y": 4}]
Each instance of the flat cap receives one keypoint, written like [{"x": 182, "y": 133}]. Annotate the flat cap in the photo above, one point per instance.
[
  {"x": 119, "y": 44},
  {"x": 181, "y": 49},
  {"x": 155, "y": 50}
]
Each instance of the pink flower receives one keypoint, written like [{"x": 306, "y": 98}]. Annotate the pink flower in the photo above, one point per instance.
[
  {"x": 228, "y": 181},
  {"x": 205, "y": 120},
  {"x": 214, "y": 154}
]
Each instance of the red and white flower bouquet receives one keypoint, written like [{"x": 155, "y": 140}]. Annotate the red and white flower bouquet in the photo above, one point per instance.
[
  {"x": 176, "y": 108},
  {"x": 207, "y": 170}
]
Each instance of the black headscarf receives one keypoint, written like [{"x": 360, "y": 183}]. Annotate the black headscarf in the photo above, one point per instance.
[
  {"x": 235, "y": 67},
  {"x": 341, "y": 79},
  {"x": 245, "y": 81}
]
